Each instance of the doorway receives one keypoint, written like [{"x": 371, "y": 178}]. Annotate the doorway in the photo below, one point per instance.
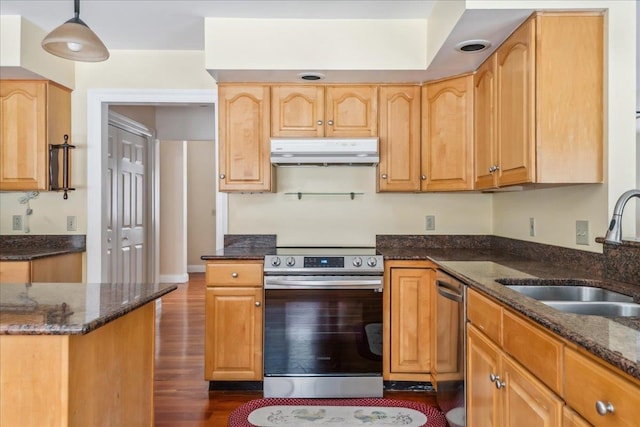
[{"x": 98, "y": 102}]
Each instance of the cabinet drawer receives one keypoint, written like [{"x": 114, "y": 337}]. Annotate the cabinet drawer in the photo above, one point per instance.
[
  {"x": 587, "y": 381},
  {"x": 15, "y": 272},
  {"x": 539, "y": 352},
  {"x": 485, "y": 314},
  {"x": 231, "y": 274}
]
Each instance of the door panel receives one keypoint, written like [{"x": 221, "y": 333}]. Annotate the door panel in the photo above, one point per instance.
[{"x": 126, "y": 206}]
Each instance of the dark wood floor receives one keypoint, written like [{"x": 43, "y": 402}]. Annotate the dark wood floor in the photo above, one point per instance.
[{"x": 182, "y": 397}]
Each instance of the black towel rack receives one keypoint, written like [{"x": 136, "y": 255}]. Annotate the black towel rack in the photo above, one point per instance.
[{"x": 54, "y": 165}]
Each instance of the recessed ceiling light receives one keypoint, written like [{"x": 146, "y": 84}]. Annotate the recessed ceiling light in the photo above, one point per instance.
[
  {"x": 311, "y": 76},
  {"x": 473, "y": 45}
]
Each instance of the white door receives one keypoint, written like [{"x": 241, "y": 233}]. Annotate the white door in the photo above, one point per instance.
[{"x": 126, "y": 189}]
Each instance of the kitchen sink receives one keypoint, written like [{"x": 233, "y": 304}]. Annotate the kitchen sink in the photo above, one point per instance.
[
  {"x": 607, "y": 309},
  {"x": 570, "y": 293},
  {"x": 577, "y": 296}
]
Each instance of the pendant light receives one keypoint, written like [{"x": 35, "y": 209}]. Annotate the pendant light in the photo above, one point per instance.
[{"x": 74, "y": 40}]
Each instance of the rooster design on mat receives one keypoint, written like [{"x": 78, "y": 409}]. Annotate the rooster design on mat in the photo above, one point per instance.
[{"x": 369, "y": 418}]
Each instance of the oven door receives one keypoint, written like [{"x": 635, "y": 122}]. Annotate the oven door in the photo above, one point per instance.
[{"x": 319, "y": 330}]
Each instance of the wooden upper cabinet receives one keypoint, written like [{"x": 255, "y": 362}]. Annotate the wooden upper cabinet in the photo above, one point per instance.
[
  {"x": 516, "y": 108},
  {"x": 569, "y": 97},
  {"x": 399, "y": 167},
  {"x": 244, "y": 151},
  {"x": 548, "y": 101},
  {"x": 447, "y": 135},
  {"x": 297, "y": 111},
  {"x": 485, "y": 124},
  {"x": 351, "y": 111},
  {"x": 33, "y": 114},
  {"x": 315, "y": 111}
]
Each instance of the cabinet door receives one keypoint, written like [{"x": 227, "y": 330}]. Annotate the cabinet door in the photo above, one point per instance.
[
  {"x": 297, "y": 111},
  {"x": 244, "y": 152},
  {"x": 483, "y": 360},
  {"x": 525, "y": 400},
  {"x": 569, "y": 91},
  {"x": 447, "y": 135},
  {"x": 399, "y": 167},
  {"x": 351, "y": 111},
  {"x": 23, "y": 137},
  {"x": 15, "y": 271},
  {"x": 571, "y": 419},
  {"x": 233, "y": 333},
  {"x": 410, "y": 319},
  {"x": 484, "y": 127},
  {"x": 516, "y": 106}
]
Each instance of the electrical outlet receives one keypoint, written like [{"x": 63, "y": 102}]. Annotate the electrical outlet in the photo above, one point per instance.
[
  {"x": 17, "y": 222},
  {"x": 532, "y": 227},
  {"x": 430, "y": 222},
  {"x": 582, "y": 232},
  {"x": 71, "y": 223}
]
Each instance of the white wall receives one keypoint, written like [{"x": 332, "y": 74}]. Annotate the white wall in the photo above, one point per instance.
[
  {"x": 201, "y": 202},
  {"x": 173, "y": 191},
  {"x": 328, "y": 219}
]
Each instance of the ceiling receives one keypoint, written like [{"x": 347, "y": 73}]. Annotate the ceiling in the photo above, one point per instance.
[{"x": 179, "y": 24}]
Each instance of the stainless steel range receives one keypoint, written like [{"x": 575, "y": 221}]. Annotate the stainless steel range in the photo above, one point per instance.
[{"x": 323, "y": 323}]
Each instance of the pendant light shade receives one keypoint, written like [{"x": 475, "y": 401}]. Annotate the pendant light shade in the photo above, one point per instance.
[{"x": 74, "y": 40}]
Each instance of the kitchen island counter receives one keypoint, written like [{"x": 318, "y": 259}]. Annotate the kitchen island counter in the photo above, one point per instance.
[{"x": 77, "y": 354}]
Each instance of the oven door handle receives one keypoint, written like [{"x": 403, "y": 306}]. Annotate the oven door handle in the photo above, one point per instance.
[
  {"x": 448, "y": 291},
  {"x": 375, "y": 284}
]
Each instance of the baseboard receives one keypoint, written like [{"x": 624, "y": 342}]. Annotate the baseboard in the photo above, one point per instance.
[
  {"x": 174, "y": 278},
  {"x": 197, "y": 268}
]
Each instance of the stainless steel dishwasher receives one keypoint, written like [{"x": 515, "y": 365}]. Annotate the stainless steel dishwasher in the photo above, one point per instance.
[{"x": 450, "y": 348}]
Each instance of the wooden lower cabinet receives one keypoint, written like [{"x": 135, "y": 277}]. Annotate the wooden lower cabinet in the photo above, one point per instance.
[
  {"x": 570, "y": 418},
  {"x": 591, "y": 382},
  {"x": 500, "y": 392},
  {"x": 521, "y": 375},
  {"x": 233, "y": 322},
  {"x": 407, "y": 320},
  {"x": 55, "y": 269}
]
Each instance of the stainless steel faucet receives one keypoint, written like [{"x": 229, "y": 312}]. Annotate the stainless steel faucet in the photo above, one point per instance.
[{"x": 614, "y": 233}]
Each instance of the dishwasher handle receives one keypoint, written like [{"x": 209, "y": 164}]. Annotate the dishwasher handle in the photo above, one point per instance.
[{"x": 449, "y": 291}]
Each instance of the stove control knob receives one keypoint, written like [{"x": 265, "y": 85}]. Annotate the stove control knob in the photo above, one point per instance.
[
  {"x": 275, "y": 261},
  {"x": 291, "y": 261},
  {"x": 357, "y": 261},
  {"x": 372, "y": 262}
]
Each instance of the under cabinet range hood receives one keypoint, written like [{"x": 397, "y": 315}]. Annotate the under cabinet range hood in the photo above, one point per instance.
[{"x": 324, "y": 151}]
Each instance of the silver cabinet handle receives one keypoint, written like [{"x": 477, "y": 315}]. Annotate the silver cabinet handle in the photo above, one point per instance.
[
  {"x": 330, "y": 122},
  {"x": 423, "y": 177},
  {"x": 493, "y": 377},
  {"x": 234, "y": 275},
  {"x": 491, "y": 169},
  {"x": 221, "y": 176},
  {"x": 257, "y": 303},
  {"x": 384, "y": 176},
  {"x": 500, "y": 384},
  {"x": 319, "y": 122},
  {"x": 604, "y": 408}
]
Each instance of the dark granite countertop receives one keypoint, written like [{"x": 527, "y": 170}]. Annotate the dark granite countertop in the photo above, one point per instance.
[
  {"x": 29, "y": 254},
  {"x": 70, "y": 308},
  {"x": 240, "y": 253},
  {"x": 30, "y": 247}
]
